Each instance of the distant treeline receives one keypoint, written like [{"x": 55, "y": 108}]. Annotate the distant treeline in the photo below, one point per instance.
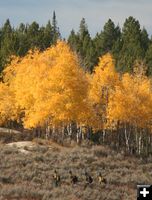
[{"x": 127, "y": 45}]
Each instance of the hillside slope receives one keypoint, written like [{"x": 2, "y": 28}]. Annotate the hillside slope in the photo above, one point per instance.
[{"x": 27, "y": 175}]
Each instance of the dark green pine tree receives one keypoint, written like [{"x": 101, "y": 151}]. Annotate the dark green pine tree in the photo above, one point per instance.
[
  {"x": 73, "y": 41},
  {"x": 7, "y": 44},
  {"x": 144, "y": 41},
  {"x": 107, "y": 39},
  {"x": 48, "y": 38},
  {"x": 131, "y": 45},
  {"x": 83, "y": 30},
  {"x": 148, "y": 59},
  {"x": 22, "y": 43},
  {"x": 55, "y": 29},
  {"x": 83, "y": 45},
  {"x": 84, "y": 37},
  {"x": 33, "y": 33},
  {"x": 90, "y": 59},
  {"x": 117, "y": 43},
  {"x": 86, "y": 47},
  {"x": 42, "y": 46}
]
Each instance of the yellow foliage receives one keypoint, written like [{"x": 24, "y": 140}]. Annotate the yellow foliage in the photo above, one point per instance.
[
  {"x": 7, "y": 104},
  {"x": 50, "y": 87},
  {"x": 132, "y": 101},
  {"x": 103, "y": 83}
]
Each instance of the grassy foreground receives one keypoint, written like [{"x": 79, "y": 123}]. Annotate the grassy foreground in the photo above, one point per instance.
[{"x": 27, "y": 174}]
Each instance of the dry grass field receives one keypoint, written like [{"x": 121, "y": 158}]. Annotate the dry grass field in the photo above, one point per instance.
[{"x": 26, "y": 172}]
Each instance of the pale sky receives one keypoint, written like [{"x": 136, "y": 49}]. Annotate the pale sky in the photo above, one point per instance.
[{"x": 70, "y": 12}]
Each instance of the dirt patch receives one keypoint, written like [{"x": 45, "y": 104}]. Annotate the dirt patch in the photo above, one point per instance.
[
  {"x": 23, "y": 147},
  {"x": 28, "y": 146}
]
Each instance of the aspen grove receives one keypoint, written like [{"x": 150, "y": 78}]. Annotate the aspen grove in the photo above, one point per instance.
[{"x": 50, "y": 93}]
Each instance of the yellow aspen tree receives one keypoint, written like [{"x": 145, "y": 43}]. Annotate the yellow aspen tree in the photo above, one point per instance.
[
  {"x": 104, "y": 80},
  {"x": 62, "y": 97},
  {"x": 7, "y": 104},
  {"x": 132, "y": 101},
  {"x": 131, "y": 105},
  {"x": 17, "y": 75},
  {"x": 50, "y": 87}
]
